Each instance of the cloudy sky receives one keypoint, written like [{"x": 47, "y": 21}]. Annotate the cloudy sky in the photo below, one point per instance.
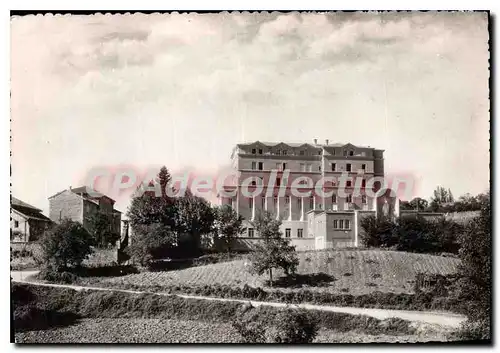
[{"x": 182, "y": 90}]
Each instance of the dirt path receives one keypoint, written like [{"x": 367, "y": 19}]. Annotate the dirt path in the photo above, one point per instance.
[{"x": 439, "y": 318}]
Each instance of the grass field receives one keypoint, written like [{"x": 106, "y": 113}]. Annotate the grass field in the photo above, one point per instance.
[{"x": 336, "y": 271}]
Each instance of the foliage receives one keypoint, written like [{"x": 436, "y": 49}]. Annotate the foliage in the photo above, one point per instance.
[
  {"x": 440, "y": 197},
  {"x": 294, "y": 326},
  {"x": 417, "y": 203},
  {"x": 377, "y": 231},
  {"x": 414, "y": 234},
  {"x": 99, "y": 227},
  {"x": 228, "y": 224},
  {"x": 57, "y": 277},
  {"x": 274, "y": 251},
  {"x": 66, "y": 245},
  {"x": 475, "y": 269},
  {"x": 265, "y": 325},
  {"x": 150, "y": 242},
  {"x": 194, "y": 217}
]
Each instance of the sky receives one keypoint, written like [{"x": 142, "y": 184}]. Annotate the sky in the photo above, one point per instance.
[{"x": 181, "y": 90}]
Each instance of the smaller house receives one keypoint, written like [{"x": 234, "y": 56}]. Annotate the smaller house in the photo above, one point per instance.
[
  {"x": 27, "y": 223},
  {"x": 78, "y": 204}
]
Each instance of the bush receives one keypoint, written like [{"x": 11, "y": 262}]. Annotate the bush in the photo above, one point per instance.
[
  {"x": 269, "y": 325},
  {"x": 294, "y": 326},
  {"x": 411, "y": 234},
  {"x": 57, "y": 277},
  {"x": 66, "y": 245}
]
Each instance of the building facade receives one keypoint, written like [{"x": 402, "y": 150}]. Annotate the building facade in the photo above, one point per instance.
[
  {"x": 27, "y": 223},
  {"x": 78, "y": 205},
  {"x": 317, "y": 190}
]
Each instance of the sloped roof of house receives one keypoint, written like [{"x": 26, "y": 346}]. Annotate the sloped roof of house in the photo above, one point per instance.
[
  {"x": 83, "y": 191},
  {"x": 19, "y": 203},
  {"x": 27, "y": 210}
]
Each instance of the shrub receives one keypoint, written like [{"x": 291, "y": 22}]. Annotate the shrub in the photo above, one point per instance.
[
  {"x": 269, "y": 325},
  {"x": 57, "y": 277},
  {"x": 293, "y": 326},
  {"x": 66, "y": 245}
]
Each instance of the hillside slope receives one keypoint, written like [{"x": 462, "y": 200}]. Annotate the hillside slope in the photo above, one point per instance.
[{"x": 336, "y": 271}]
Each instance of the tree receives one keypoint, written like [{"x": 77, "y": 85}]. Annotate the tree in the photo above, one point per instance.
[
  {"x": 274, "y": 251},
  {"x": 194, "y": 217},
  {"x": 440, "y": 197},
  {"x": 419, "y": 204},
  {"x": 150, "y": 242},
  {"x": 377, "y": 231},
  {"x": 99, "y": 227},
  {"x": 66, "y": 245},
  {"x": 228, "y": 224},
  {"x": 475, "y": 270}
]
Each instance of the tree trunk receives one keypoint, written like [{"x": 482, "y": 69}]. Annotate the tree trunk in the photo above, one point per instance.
[{"x": 271, "y": 277}]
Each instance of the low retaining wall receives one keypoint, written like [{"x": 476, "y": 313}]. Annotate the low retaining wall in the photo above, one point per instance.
[{"x": 245, "y": 243}]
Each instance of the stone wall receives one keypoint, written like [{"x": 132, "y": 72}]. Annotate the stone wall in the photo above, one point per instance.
[{"x": 66, "y": 205}]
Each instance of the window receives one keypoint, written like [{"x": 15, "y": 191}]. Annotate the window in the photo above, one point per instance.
[
  {"x": 260, "y": 150},
  {"x": 250, "y": 232},
  {"x": 351, "y": 153},
  {"x": 345, "y": 153},
  {"x": 363, "y": 183},
  {"x": 334, "y": 167},
  {"x": 261, "y": 166},
  {"x": 363, "y": 198},
  {"x": 348, "y": 183},
  {"x": 302, "y": 167},
  {"x": 335, "y": 224},
  {"x": 253, "y": 183},
  {"x": 320, "y": 168},
  {"x": 334, "y": 198},
  {"x": 263, "y": 202},
  {"x": 347, "y": 224},
  {"x": 16, "y": 224},
  {"x": 309, "y": 167},
  {"x": 285, "y": 152},
  {"x": 299, "y": 202},
  {"x": 278, "y": 181},
  {"x": 320, "y": 206},
  {"x": 348, "y": 199},
  {"x": 287, "y": 200},
  {"x": 300, "y": 233},
  {"x": 275, "y": 200},
  {"x": 341, "y": 223},
  {"x": 348, "y": 167},
  {"x": 319, "y": 152},
  {"x": 278, "y": 166},
  {"x": 254, "y": 165},
  {"x": 250, "y": 202},
  {"x": 284, "y": 166},
  {"x": 363, "y": 166},
  {"x": 334, "y": 152},
  {"x": 287, "y": 232},
  {"x": 311, "y": 202},
  {"x": 278, "y": 152},
  {"x": 253, "y": 150},
  {"x": 301, "y": 153}
]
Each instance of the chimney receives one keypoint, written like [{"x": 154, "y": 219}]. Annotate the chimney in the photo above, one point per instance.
[
  {"x": 315, "y": 141},
  {"x": 70, "y": 187},
  {"x": 326, "y": 142}
]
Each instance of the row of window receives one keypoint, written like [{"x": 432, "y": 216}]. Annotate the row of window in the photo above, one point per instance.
[
  {"x": 348, "y": 199},
  {"x": 304, "y": 167},
  {"x": 260, "y": 181},
  {"x": 341, "y": 224},
  {"x": 279, "y": 152},
  {"x": 288, "y": 231}
]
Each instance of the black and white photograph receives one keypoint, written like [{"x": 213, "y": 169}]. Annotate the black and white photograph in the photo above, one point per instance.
[{"x": 250, "y": 177}]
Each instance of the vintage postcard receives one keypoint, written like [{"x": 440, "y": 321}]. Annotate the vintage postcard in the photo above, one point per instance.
[{"x": 251, "y": 177}]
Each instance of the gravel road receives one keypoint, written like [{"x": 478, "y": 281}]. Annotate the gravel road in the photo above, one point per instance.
[{"x": 435, "y": 318}]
